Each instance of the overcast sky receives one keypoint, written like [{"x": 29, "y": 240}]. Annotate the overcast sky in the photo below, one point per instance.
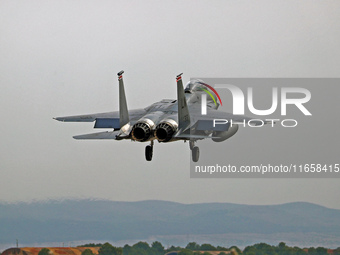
[{"x": 60, "y": 58}]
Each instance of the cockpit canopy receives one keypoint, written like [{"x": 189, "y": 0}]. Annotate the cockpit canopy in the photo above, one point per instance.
[
  {"x": 199, "y": 87},
  {"x": 193, "y": 86}
]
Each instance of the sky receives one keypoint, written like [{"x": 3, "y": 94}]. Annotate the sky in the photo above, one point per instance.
[{"x": 60, "y": 58}]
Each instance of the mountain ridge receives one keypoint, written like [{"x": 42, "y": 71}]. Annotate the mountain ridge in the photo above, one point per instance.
[{"x": 87, "y": 219}]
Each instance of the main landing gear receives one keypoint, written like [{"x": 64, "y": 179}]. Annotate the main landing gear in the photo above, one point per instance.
[
  {"x": 195, "y": 151},
  {"x": 149, "y": 151}
]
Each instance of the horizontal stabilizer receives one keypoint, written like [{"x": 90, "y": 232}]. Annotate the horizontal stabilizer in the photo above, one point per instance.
[
  {"x": 208, "y": 125},
  {"x": 191, "y": 137},
  {"x": 107, "y": 123},
  {"x": 94, "y": 136}
]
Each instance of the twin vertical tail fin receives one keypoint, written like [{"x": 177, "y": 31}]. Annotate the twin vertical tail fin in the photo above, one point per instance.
[{"x": 183, "y": 112}]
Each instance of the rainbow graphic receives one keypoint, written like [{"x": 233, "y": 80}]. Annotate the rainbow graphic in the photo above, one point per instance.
[{"x": 209, "y": 93}]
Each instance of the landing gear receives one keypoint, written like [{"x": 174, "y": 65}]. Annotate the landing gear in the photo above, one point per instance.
[
  {"x": 191, "y": 144},
  {"x": 195, "y": 151},
  {"x": 149, "y": 152}
]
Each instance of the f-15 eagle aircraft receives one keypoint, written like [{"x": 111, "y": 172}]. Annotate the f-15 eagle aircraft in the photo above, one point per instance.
[{"x": 166, "y": 120}]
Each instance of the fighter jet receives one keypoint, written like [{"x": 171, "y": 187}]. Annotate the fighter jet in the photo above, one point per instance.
[{"x": 166, "y": 121}]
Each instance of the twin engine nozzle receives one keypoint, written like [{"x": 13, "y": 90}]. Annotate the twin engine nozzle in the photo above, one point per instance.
[
  {"x": 142, "y": 130},
  {"x": 165, "y": 130},
  {"x": 145, "y": 129}
]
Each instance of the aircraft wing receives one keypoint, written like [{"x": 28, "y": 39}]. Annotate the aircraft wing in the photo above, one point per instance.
[
  {"x": 107, "y": 115},
  {"x": 87, "y": 117},
  {"x": 104, "y": 120}
]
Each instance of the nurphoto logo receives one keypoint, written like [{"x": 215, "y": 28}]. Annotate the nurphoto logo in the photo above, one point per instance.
[{"x": 238, "y": 99}]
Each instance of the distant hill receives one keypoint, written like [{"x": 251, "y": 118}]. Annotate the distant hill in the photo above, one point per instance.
[{"x": 72, "y": 220}]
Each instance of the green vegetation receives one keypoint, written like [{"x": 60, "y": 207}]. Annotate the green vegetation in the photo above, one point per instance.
[
  {"x": 108, "y": 249},
  {"x": 282, "y": 249},
  {"x": 207, "y": 247},
  {"x": 87, "y": 252},
  {"x": 158, "y": 247},
  {"x": 44, "y": 251},
  {"x": 192, "y": 248},
  {"x": 91, "y": 245},
  {"x": 143, "y": 248},
  {"x": 235, "y": 249},
  {"x": 204, "y": 247},
  {"x": 185, "y": 252}
]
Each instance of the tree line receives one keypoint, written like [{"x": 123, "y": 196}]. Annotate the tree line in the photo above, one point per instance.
[{"x": 192, "y": 248}]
